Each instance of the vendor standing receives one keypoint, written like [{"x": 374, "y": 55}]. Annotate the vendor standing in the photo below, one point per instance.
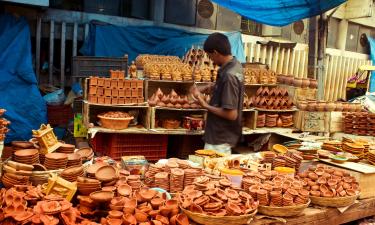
[{"x": 224, "y": 119}]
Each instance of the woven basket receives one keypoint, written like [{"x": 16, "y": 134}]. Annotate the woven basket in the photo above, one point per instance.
[
  {"x": 215, "y": 220},
  {"x": 115, "y": 123},
  {"x": 334, "y": 202},
  {"x": 41, "y": 177},
  {"x": 285, "y": 211}
]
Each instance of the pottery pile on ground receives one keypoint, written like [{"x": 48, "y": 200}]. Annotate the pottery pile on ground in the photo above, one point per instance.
[
  {"x": 359, "y": 123},
  {"x": 217, "y": 198}
]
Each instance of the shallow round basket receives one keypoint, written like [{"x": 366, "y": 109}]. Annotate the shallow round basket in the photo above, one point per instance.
[
  {"x": 115, "y": 123},
  {"x": 215, "y": 220},
  {"x": 285, "y": 211},
  {"x": 41, "y": 177},
  {"x": 334, "y": 202}
]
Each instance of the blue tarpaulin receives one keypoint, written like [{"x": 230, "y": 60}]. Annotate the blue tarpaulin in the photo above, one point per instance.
[
  {"x": 115, "y": 41},
  {"x": 279, "y": 12},
  {"x": 371, "y": 41},
  {"x": 19, "y": 92}
]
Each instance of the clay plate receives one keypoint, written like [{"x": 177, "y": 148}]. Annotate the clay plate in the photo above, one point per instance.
[{"x": 106, "y": 173}]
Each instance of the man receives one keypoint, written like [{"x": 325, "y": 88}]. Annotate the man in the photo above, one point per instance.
[{"x": 223, "y": 126}]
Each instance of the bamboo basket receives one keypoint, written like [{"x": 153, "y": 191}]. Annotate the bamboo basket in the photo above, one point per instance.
[
  {"x": 285, "y": 211},
  {"x": 215, "y": 220},
  {"x": 334, "y": 202},
  {"x": 115, "y": 123},
  {"x": 41, "y": 177}
]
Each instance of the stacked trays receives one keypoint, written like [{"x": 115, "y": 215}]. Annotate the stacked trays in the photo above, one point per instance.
[
  {"x": 190, "y": 175},
  {"x": 9, "y": 180},
  {"x": 371, "y": 156},
  {"x": 271, "y": 120},
  {"x": 74, "y": 159},
  {"x": 66, "y": 148},
  {"x": 150, "y": 174},
  {"x": 287, "y": 120},
  {"x": 27, "y": 156},
  {"x": 261, "y": 120},
  {"x": 162, "y": 180},
  {"x": 355, "y": 149},
  {"x": 55, "y": 161},
  {"x": 134, "y": 182},
  {"x": 86, "y": 186},
  {"x": 177, "y": 180},
  {"x": 72, "y": 173}
]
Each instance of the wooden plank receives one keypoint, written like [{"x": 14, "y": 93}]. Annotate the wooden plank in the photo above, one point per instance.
[
  {"x": 257, "y": 53},
  {"x": 339, "y": 78},
  {"x": 252, "y": 49},
  {"x": 275, "y": 60},
  {"x": 346, "y": 76},
  {"x": 264, "y": 54},
  {"x": 332, "y": 61},
  {"x": 280, "y": 64},
  {"x": 269, "y": 57},
  {"x": 87, "y": 27},
  {"x": 75, "y": 39},
  {"x": 342, "y": 78},
  {"x": 286, "y": 63},
  {"x": 38, "y": 35},
  {"x": 326, "y": 75},
  {"x": 62, "y": 58},
  {"x": 297, "y": 65},
  {"x": 51, "y": 46},
  {"x": 333, "y": 78},
  {"x": 303, "y": 66},
  {"x": 292, "y": 62}
]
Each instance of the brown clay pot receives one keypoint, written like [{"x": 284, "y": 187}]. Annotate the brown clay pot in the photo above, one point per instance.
[
  {"x": 339, "y": 106},
  {"x": 313, "y": 83},
  {"x": 330, "y": 106},
  {"x": 311, "y": 106},
  {"x": 297, "y": 82},
  {"x": 345, "y": 106},
  {"x": 289, "y": 80},
  {"x": 305, "y": 83},
  {"x": 320, "y": 107},
  {"x": 281, "y": 78}
]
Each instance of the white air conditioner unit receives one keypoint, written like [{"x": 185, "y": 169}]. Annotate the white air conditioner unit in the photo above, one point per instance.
[{"x": 206, "y": 14}]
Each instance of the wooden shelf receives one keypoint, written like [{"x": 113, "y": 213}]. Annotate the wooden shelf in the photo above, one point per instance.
[
  {"x": 170, "y": 81},
  {"x": 142, "y": 105},
  {"x": 175, "y": 109},
  {"x": 131, "y": 130},
  {"x": 260, "y": 85},
  {"x": 277, "y": 110},
  {"x": 179, "y": 131}
]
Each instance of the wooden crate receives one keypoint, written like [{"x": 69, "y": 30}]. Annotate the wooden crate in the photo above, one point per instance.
[
  {"x": 249, "y": 119},
  {"x": 300, "y": 94},
  {"x": 336, "y": 123},
  {"x": 90, "y": 112},
  {"x": 312, "y": 121}
]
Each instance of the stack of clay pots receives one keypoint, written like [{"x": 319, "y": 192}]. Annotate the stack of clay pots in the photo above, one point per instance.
[
  {"x": 173, "y": 100},
  {"x": 273, "y": 99},
  {"x": 359, "y": 123},
  {"x": 3, "y": 125},
  {"x": 297, "y": 82},
  {"x": 323, "y": 106},
  {"x": 259, "y": 74},
  {"x": 274, "y": 120}
]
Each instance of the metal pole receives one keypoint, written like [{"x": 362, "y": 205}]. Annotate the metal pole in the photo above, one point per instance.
[{"x": 322, "y": 41}]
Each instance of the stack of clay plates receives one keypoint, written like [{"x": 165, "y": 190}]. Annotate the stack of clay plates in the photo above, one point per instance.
[
  {"x": 86, "y": 153},
  {"x": 27, "y": 156},
  {"x": 162, "y": 180},
  {"x": 66, "y": 148},
  {"x": 55, "y": 161},
  {"x": 190, "y": 175},
  {"x": 134, "y": 181},
  {"x": 355, "y": 149},
  {"x": 71, "y": 173},
  {"x": 86, "y": 185},
  {"x": 371, "y": 156},
  {"x": 91, "y": 170},
  {"x": 9, "y": 180},
  {"x": 74, "y": 159},
  {"x": 176, "y": 180},
  {"x": 150, "y": 174}
]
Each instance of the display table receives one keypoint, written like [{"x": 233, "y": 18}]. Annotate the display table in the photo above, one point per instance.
[{"x": 330, "y": 216}]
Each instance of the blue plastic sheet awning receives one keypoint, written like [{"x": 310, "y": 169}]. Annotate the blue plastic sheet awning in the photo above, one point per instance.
[
  {"x": 114, "y": 41},
  {"x": 19, "y": 92},
  {"x": 279, "y": 12}
]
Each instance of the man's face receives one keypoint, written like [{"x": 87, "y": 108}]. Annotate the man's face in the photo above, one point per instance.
[{"x": 214, "y": 56}]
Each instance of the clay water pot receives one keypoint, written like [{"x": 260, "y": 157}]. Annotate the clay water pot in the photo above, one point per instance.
[
  {"x": 289, "y": 80},
  {"x": 313, "y": 83},
  {"x": 330, "y": 106},
  {"x": 305, "y": 83},
  {"x": 297, "y": 82}
]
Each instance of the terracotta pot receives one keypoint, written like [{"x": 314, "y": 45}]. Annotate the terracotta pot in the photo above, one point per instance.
[
  {"x": 283, "y": 92},
  {"x": 266, "y": 91},
  {"x": 259, "y": 91},
  {"x": 358, "y": 107},
  {"x": 305, "y": 82},
  {"x": 330, "y": 106},
  {"x": 313, "y": 83},
  {"x": 321, "y": 106},
  {"x": 311, "y": 106},
  {"x": 288, "y": 80},
  {"x": 302, "y": 105},
  {"x": 339, "y": 106},
  {"x": 281, "y": 78},
  {"x": 279, "y": 122},
  {"x": 345, "y": 106},
  {"x": 297, "y": 82}
]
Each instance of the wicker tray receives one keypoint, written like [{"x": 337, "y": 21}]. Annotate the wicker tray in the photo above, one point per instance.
[
  {"x": 334, "y": 202},
  {"x": 283, "y": 211},
  {"x": 215, "y": 220},
  {"x": 115, "y": 123},
  {"x": 41, "y": 177}
]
